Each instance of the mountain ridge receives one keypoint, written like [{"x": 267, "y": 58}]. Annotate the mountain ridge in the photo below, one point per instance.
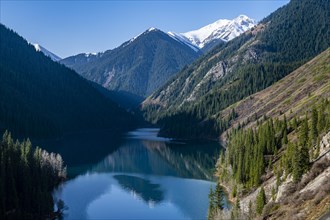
[
  {"x": 153, "y": 62},
  {"x": 243, "y": 66},
  {"x": 222, "y": 30},
  {"x": 53, "y": 56},
  {"x": 139, "y": 66}
]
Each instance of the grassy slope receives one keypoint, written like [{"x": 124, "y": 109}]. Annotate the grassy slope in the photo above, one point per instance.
[{"x": 292, "y": 95}]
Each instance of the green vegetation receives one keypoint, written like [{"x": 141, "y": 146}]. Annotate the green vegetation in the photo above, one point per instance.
[
  {"x": 42, "y": 98},
  {"x": 27, "y": 178},
  {"x": 215, "y": 201},
  {"x": 252, "y": 151},
  {"x": 183, "y": 125},
  {"x": 276, "y": 50},
  {"x": 261, "y": 201},
  {"x": 138, "y": 67}
]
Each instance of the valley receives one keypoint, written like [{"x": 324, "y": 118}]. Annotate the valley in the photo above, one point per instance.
[{"x": 224, "y": 119}]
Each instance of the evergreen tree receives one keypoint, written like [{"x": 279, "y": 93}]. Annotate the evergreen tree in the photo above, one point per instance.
[
  {"x": 212, "y": 205},
  {"x": 251, "y": 212},
  {"x": 304, "y": 130},
  {"x": 27, "y": 178},
  {"x": 261, "y": 201},
  {"x": 304, "y": 158},
  {"x": 285, "y": 131},
  {"x": 314, "y": 130},
  {"x": 219, "y": 195},
  {"x": 321, "y": 122},
  {"x": 296, "y": 165},
  {"x": 236, "y": 209}
]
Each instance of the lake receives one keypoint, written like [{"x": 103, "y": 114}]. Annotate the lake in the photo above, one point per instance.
[{"x": 138, "y": 176}]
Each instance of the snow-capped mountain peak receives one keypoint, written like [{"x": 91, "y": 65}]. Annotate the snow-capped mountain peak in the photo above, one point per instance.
[
  {"x": 152, "y": 29},
  {"x": 222, "y": 29},
  {"x": 46, "y": 52}
]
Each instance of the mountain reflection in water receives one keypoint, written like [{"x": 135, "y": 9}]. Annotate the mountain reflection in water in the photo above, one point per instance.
[{"x": 144, "y": 177}]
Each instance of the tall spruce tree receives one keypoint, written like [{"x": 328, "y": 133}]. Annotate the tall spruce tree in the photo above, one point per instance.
[
  {"x": 261, "y": 201},
  {"x": 219, "y": 195},
  {"x": 314, "y": 131}
]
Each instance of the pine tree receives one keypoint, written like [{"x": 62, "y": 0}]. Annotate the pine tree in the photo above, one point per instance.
[
  {"x": 285, "y": 137},
  {"x": 261, "y": 201},
  {"x": 321, "y": 122},
  {"x": 212, "y": 205},
  {"x": 314, "y": 130},
  {"x": 250, "y": 213},
  {"x": 219, "y": 194},
  {"x": 296, "y": 165},
  {"x": 304, "y": 130},
  {"x": 304, "y": 158},
  {"x": 237, "y": 208}
]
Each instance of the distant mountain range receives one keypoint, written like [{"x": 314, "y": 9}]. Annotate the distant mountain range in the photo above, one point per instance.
[
  {"x": 138, "y": 66},
  {"x": 146, "y": 62}
]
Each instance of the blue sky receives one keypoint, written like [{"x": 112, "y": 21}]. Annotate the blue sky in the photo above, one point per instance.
[{"x": 71, "y": 27}]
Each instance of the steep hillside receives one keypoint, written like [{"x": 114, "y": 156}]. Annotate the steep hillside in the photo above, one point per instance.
[
  {"x": 42, "y": 98},
  {"x": 292, "y": 95},
  {"x": 249, "y": 63},
  {"x": 279, "y": 143},
  {"x": 139, "y": 66}
]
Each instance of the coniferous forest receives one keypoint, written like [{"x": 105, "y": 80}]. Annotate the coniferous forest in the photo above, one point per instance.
[
  {"x": 284, "y": 44},
  {"x": 41, "y": 98},
  {"x": 28, "y": 176},
  {"x": 260, "y": 99},
  {"x": 265, "y": 148}
]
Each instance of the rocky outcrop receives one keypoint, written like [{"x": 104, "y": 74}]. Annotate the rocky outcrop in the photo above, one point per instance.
[
  {"x": 325, "y": 146},
  {"x": 311, "y": 185}
]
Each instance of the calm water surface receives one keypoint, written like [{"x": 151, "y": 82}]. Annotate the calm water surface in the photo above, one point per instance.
[{"x": 140, "y": 176}]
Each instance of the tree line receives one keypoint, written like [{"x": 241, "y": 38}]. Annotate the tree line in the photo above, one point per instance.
[{"x": 28, "y": 176}]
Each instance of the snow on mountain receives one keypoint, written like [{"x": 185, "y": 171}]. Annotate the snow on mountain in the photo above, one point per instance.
[
  {"x": 222, "y": 29},
  {"x": 145, "y": 32},
  {"x": 184, "y": 40},
  {"x": 46, "y": 52}
]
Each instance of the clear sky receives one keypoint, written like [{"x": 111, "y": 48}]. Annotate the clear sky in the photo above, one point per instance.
[{"x": 71, "y": 27}]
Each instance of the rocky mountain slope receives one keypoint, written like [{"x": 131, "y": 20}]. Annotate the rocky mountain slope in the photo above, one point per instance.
[
  {"x": 294, "y": 98},
  {"x": 251, "y": 62},
  {"x": 146, "y": 62},
  {"x": 292, "y": 95}
]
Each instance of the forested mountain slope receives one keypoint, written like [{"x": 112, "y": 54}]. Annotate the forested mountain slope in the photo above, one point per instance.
[
  {"x": 41, "y": 98},
  {"x": 139, "y": 66},
  {"x": 277, "y": 161},
  {"x": 251, "y": 62},
  {"x": 292, "y": 95}
]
